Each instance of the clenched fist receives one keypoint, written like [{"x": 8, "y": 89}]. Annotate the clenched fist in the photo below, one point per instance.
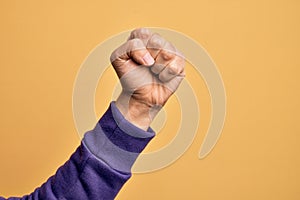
[{"x": 150, "y": 70}]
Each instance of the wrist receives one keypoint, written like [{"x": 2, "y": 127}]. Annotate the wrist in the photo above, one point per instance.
[{"x": 136, "y": 112}]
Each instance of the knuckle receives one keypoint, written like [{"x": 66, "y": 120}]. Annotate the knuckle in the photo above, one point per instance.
[
  {"x": 170, "y": 47},
  {"x": 135, "y": 44},
  {"x": 156, "y": 42},
  {"x": 113, "y": 56},
  {"x": 142, "y": 33}
]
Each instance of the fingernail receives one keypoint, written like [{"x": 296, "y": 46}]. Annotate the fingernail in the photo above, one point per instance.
[{"x": 148, "y": 59}]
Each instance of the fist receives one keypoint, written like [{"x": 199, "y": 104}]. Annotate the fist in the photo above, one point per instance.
[{"x": 150, "y": 70}]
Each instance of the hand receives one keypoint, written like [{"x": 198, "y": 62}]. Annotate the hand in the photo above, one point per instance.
[{"x": 150, "y": 70}]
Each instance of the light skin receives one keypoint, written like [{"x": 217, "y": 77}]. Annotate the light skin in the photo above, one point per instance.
[{"x": 150, "y": 70}]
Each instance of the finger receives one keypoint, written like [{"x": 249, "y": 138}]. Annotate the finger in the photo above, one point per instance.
[
  {"x": 155, "y": 44},
  {"x": 133, "y": 49},
  {"x": 164, "y": 57},
  {"x": 173, "y": 84},
  {"x": 157, "y": 68},
  {"x": 173, "y": 69},
  {"x": 143, "y": 34}
]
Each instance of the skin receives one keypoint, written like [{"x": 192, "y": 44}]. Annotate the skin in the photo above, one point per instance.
[{"x": 150, "y": 70}]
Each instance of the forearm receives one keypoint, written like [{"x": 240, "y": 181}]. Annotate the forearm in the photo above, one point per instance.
[{"x": 101, "y": 165}]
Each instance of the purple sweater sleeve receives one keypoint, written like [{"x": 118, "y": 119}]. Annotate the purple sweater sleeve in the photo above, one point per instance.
[{"x": 101, "y": 164}]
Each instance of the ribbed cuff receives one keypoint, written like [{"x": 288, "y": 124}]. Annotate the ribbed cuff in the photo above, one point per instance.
[{"x": 116, "y": 141}]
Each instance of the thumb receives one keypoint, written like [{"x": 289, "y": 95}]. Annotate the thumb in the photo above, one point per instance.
[{"x": 133, "y": 49}]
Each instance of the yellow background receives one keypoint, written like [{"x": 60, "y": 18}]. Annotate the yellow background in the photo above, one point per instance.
[{"x": 255, "y": 44}]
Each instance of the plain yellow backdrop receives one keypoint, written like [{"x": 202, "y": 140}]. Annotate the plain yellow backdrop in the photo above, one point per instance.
[{"x": 255, "y": 45}]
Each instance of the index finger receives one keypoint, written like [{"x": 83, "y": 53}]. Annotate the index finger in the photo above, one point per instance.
[{"x": 143, "y": 34}]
